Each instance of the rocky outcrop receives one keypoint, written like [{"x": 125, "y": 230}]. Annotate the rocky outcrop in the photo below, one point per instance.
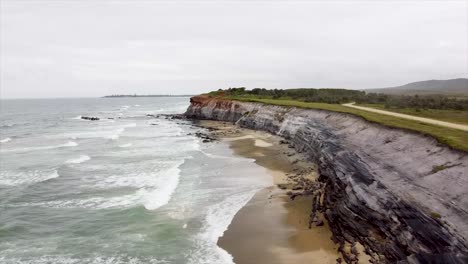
[
  {"x": 90, "y": 118},
  {"x": 400, "y": 194}
]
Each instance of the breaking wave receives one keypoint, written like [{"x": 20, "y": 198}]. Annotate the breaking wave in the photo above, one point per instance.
[
  {"x": 68, "y": 144},
  {"x": 5, "y": 140},
  {"x": 153, "y": 190},
  {"x": 78, "y": 160},
  {"x": 217, "y": 220}
]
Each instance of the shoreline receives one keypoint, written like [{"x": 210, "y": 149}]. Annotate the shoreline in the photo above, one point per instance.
[
  {"x": 272, "y": 228},
  {"x": 373, "y": 183}
]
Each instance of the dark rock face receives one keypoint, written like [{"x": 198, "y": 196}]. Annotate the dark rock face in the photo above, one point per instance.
[{"x": 380, "y": 186}]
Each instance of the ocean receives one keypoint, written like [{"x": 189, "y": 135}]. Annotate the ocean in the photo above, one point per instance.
[{"x": 128, "y": 188}]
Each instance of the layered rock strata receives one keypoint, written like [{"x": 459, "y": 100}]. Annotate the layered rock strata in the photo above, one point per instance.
[{"x": 400, "y": 194}]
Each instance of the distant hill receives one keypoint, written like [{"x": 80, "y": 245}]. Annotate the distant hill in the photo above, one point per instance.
[{"x": 446, "y": 87}]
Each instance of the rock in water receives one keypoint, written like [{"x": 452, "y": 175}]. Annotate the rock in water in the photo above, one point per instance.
[{"x": 91, "y": 118}]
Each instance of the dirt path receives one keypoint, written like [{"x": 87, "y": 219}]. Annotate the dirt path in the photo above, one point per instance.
[{"x": 410, "y": 117}]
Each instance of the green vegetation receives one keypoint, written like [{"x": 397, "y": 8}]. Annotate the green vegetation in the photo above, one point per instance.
[
  {"x": 454, "y": 138},
  {"x": 331, "y": 96},
  {"x": 415, "y": 101},
  {"x": 340, "y": 96},
  {"x": 454, "y": 116},
  {"x": 438, "y": 168},
  {"x": 436, "y": 215}
]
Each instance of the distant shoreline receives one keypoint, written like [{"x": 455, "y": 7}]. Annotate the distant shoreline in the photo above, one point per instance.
[{"x": 150, "y": 95}]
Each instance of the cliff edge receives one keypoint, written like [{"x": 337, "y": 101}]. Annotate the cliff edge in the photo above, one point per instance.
[{"x": 400, "y": 194}]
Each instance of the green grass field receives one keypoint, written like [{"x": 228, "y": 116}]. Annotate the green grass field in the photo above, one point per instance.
[
  {"x": 454, "y": 138},
  {"x": 453, "y": 116}
]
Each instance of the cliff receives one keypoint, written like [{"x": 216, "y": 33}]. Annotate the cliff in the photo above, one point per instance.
[{"x": 400, "y": 194}]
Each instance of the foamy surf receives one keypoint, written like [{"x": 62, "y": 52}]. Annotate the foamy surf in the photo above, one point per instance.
[
  {"x": 124, "y": 201},
  {"x": 165, "y": 188},
  {"x": 217, "y": 220},
  {"x": 5, "y": 140},
  {"x": 78, "y": 160},
  {"x": 153, "y": 190},
  {"x": 107, "y": 132},
  {"x": 12, "y": 178},
  {"x": 153, "y": 180},
  {"x": 69, "y": 259},
  {"x": 68, "y": 144}
]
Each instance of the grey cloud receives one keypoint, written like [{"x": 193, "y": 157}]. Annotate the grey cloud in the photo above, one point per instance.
[{"x": 92, "y": 48}]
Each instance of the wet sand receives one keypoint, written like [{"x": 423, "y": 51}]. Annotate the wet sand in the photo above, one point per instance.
[{"x": 271, "y": 228}]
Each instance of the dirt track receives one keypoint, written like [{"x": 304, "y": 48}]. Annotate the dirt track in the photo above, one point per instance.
[{"x": 410, "y": 117}]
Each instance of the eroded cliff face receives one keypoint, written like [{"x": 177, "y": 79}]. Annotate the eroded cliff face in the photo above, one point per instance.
[{"x": 384, "y": 187}]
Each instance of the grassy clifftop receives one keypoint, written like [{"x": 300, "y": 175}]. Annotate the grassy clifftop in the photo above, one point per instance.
[
  {"x": 447, "y": 115},
  {"x": 454, "y": 138}
]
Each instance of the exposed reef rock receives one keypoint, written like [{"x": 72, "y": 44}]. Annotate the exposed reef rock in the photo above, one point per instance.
[
  {"x": 90, "y": 118},
  {"x": 400, "y": 194}
]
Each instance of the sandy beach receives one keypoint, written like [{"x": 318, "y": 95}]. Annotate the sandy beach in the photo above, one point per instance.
[{"x": 272, "y": 228}]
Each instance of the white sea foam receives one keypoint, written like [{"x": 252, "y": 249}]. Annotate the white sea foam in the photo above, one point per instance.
[
  {"x": 111, "y": 132},
  {"x": 217, "y": 220},
  {"x": 125, "y": 145},
  {"x": 123, "y": 201},
  {"x": 165, "y": 188},
  {"x": 66, "y": 259},
  {"x": 78, "y": 160},
  {"x": 135, "y": 180},
  {"x": 68, "y": 144},
  {"x": 5, "y": 140},
  {"x": 12, "y": 178},
  {"x": 153, "y": 191}
]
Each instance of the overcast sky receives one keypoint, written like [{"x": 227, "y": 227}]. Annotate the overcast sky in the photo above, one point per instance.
[{"x": 93, "y": 48}]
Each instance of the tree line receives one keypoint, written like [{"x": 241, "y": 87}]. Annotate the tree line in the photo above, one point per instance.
[{"x": 340, "y": 96}]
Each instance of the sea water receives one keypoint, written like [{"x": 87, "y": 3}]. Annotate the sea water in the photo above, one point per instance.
[{"x": 128, "y": 188}]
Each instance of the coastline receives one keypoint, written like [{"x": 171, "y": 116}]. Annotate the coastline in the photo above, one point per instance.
[
  {"x": 374, "y": 181},
  {"x": 272, "y": 228}
]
